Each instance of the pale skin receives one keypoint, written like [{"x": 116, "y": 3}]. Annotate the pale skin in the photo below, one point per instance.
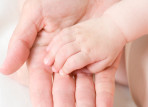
[
  {"x": 43, "y": 100},
  {"x": 134, "y": 23},
  {"x": 82, "y": 46},
  {"x": 36, "y": 28},
  {"x": 39, "y": 97}
]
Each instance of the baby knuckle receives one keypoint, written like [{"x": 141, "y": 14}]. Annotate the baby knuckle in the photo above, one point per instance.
[
  {"x": 66, "y": 31},
  {"x": 66, "y": 38},
  {"x": 87, "y": 51},
  {"x": 80, "y": 39}
]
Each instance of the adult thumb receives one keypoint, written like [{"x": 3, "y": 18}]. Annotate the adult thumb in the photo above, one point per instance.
[{"x": 21, "y": 42}]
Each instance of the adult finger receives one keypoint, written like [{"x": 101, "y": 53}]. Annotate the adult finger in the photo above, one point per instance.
[
  {"x": 105, "y": 85},
  {"x": 21, "y": 40},
  {"x": 40, "y": 79},
  {"x": 63, "y": 91},
  {"x": 85, "y": 90}
]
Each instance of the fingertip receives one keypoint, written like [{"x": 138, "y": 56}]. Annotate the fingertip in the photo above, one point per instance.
[
  {"x": 62, "y": 73},
  {"x": 47, "y": 62},
  {"x": 4, "y": 71},
  {"x": 54, "y": 69}
]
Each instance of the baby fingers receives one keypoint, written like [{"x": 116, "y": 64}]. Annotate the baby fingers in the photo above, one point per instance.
[
  {"x": 64, "y": 53},
  {"x": 75, "y": 62},
  {"x": 55, "y": 46}
]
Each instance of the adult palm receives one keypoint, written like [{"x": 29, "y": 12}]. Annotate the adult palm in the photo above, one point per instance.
[{"x": 40, "y": 21}]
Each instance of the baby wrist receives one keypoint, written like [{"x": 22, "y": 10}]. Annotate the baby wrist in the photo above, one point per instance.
[{"x": 116, "y": 31}]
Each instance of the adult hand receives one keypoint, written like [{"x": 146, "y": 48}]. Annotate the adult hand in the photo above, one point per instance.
[
  {"x": 50, "y": 16},
  {"x": 37, "y": 25},
  {"x": 40, "y": 15},
  {"x": 67, "y": 90}
]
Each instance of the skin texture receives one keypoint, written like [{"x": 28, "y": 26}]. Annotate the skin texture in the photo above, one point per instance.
[
  {"x": 85, "y": 46},
  {"x": 41, "y": 81},
  {"x": 79, "y": 46},
  {"x": 35, "y": 30}
]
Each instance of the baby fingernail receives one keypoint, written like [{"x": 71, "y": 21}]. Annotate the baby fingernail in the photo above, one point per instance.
[
  {"x": 53, "y": 69},
  {"x": 61, "y": 73},
  {"x": 46, "y": 61}
]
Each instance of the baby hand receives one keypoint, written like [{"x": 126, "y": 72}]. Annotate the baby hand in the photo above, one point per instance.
[{"x": 96, "y": 40}]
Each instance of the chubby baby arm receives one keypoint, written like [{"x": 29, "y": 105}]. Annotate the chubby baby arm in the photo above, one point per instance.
[{"x": 131, "y": 17}]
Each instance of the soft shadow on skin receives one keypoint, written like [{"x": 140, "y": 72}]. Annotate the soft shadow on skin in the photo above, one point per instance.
[{"x": 137, "y": 71}]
